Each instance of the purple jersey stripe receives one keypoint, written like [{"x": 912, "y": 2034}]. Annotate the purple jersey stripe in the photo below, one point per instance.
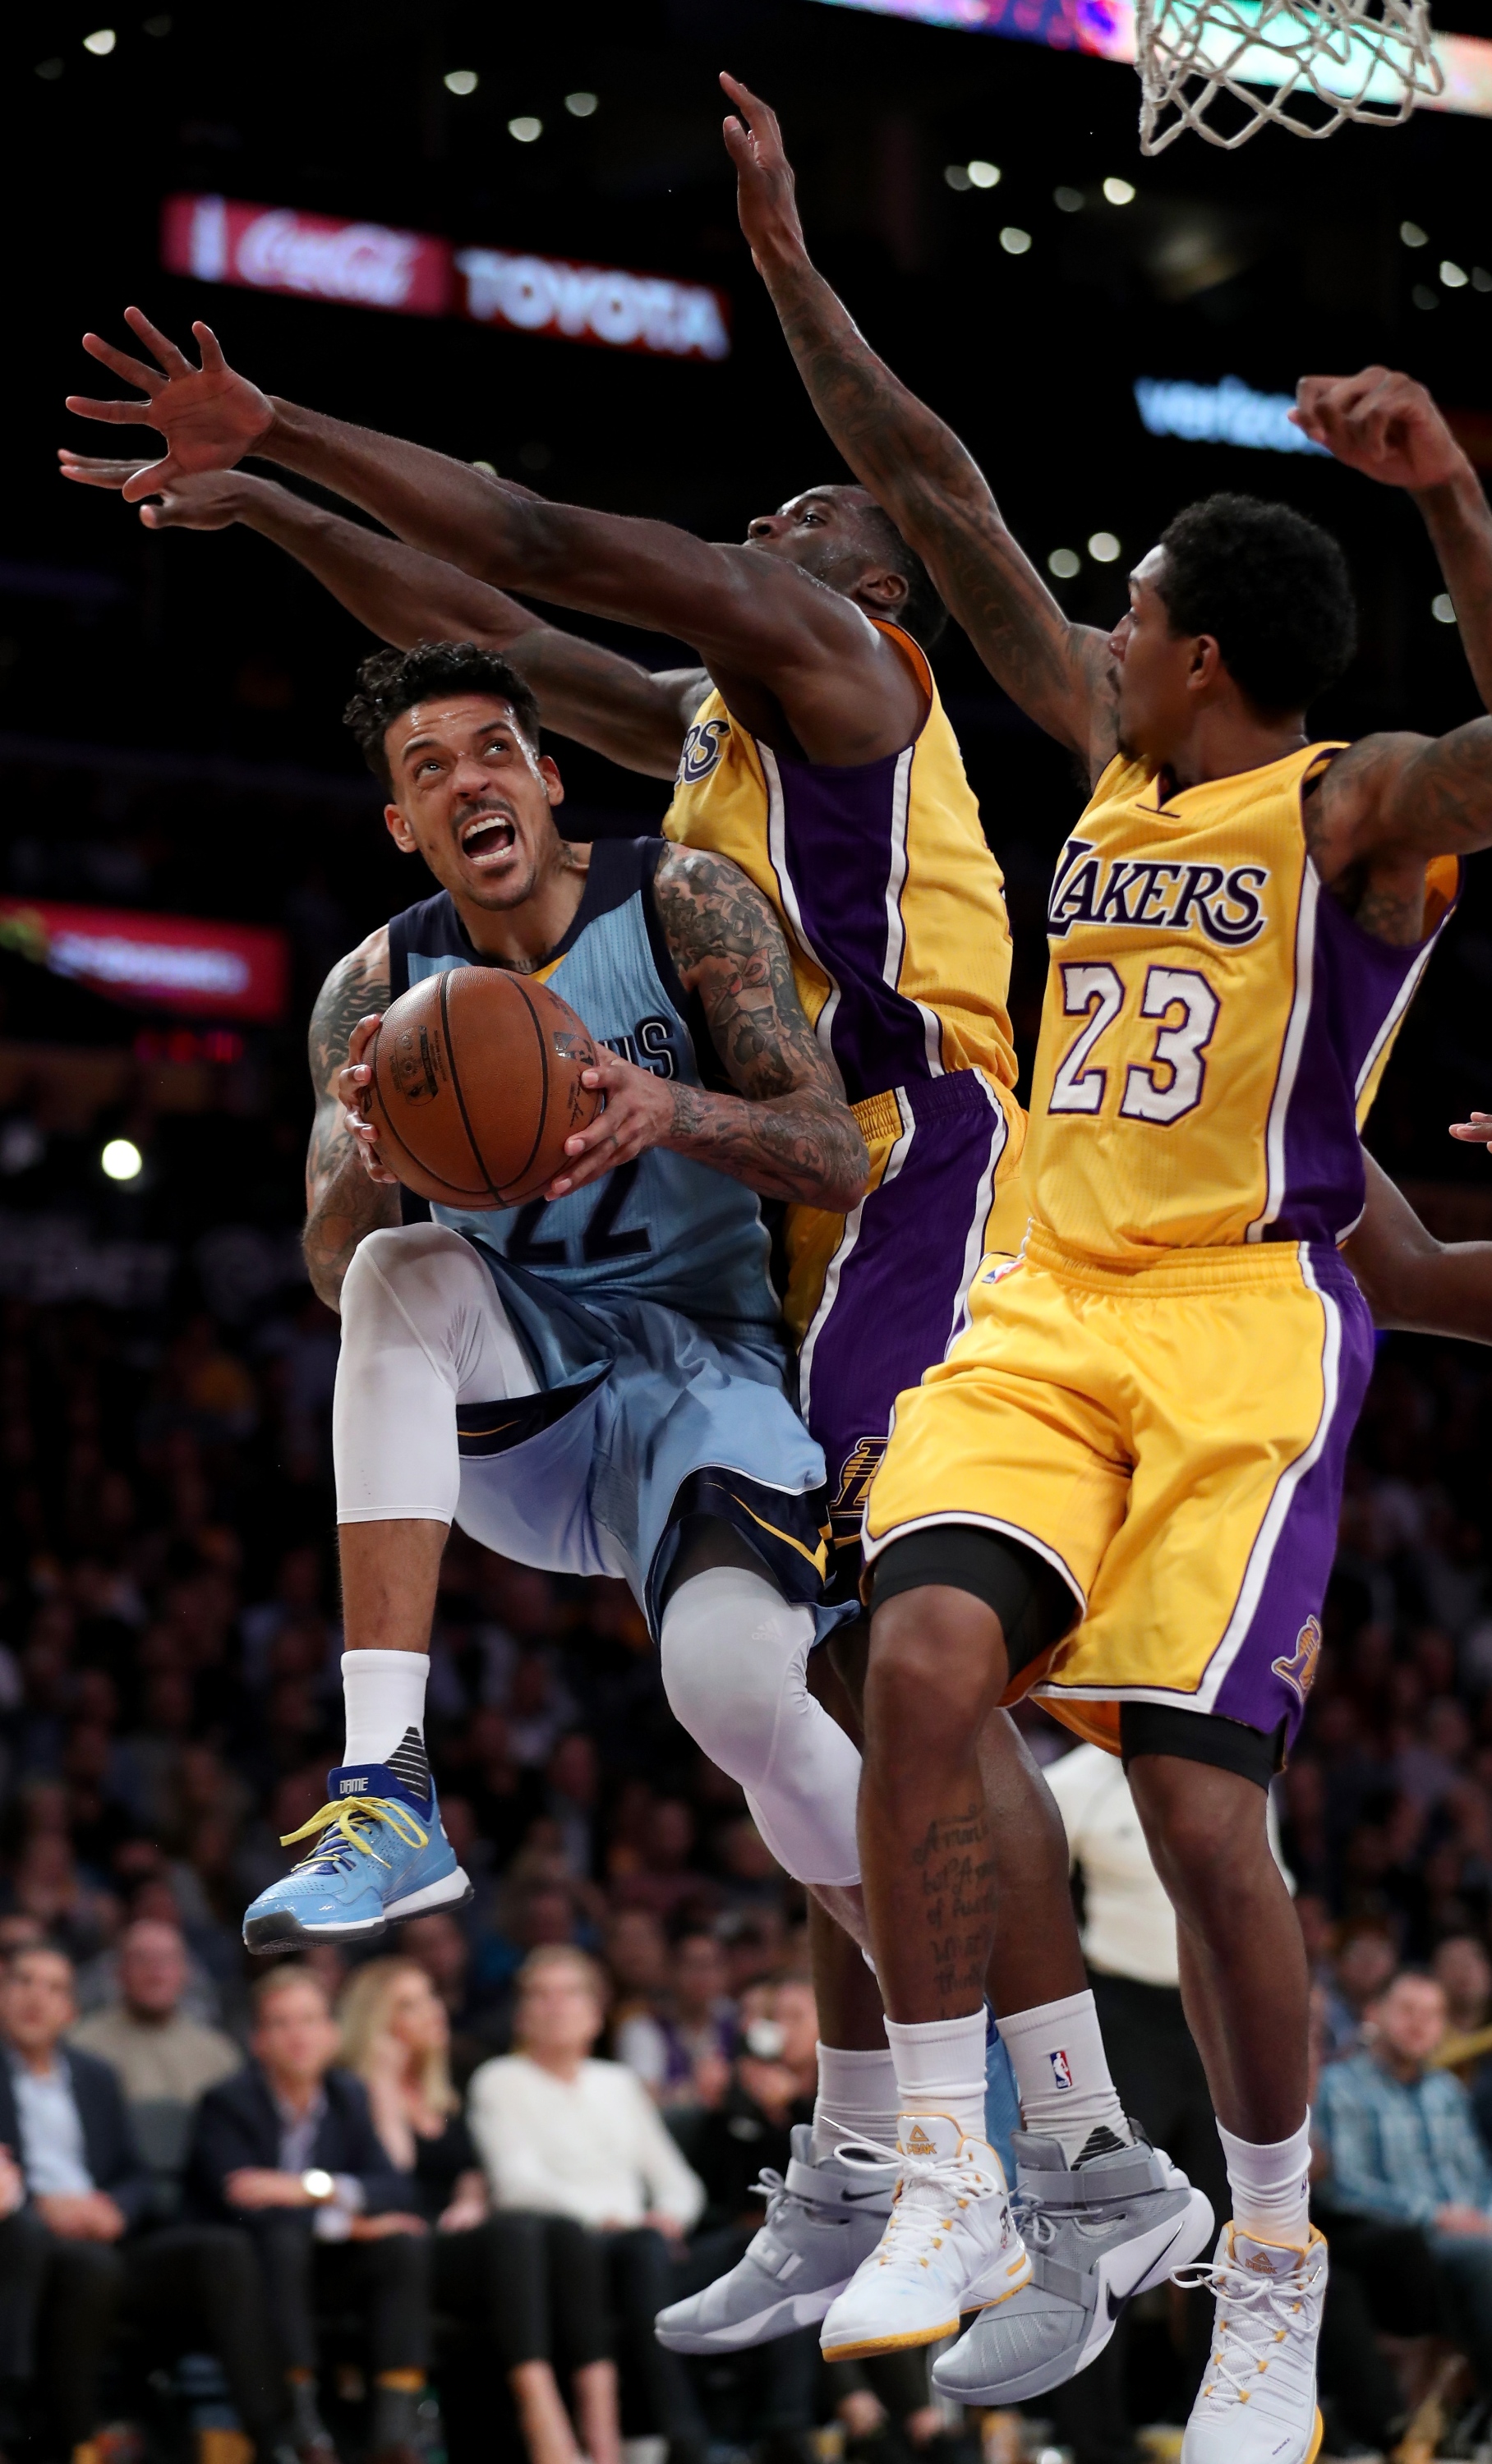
[
  {"x": 1351, "y": 989},
  {"x": 839, "y": 845}
]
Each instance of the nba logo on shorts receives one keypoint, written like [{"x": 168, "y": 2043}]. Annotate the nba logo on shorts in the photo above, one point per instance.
[{"x": 1061, "y": 2071}]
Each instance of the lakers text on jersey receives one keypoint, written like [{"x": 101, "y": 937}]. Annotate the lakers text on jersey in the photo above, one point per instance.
[{"x": 1158, "y": 1395}]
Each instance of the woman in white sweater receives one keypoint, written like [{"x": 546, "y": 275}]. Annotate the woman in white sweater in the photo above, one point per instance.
[
  {"x": 565, "y": 2136},
  {"x": 569, "y": 2136}
]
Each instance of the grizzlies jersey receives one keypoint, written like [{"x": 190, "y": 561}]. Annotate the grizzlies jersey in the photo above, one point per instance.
[
  {"x": 1215, "y": 1023},
  {"x": 663, "y": 1227},
  {"x": 893, "y": 904}
]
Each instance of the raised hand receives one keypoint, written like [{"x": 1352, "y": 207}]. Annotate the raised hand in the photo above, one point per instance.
[
  {"x": 765, "y": 186},
  {"x": 1382, "y": 424},
  {"x": 210, "y": 416},
  {"x": 1475, "y": 1133},
  {"x": 208, "y": 500}
]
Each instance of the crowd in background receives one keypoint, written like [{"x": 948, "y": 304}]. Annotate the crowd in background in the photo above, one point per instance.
[{"x": 569, "y": 2090}]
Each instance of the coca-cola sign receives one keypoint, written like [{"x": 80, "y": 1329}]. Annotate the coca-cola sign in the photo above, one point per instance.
[
  {"x": 591, "y": 303},
  {"x": 170, "y": 962},
  {"x": 272, "y": 248}
]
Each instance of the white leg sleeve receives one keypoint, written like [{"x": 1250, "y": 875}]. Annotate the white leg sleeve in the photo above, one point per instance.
[
  {"x": 734, "y": 1659},
  {"x": 422, "y": 1331}
]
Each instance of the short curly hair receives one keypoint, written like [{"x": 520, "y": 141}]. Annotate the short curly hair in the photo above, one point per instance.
[
  {"x": 1271, "y": 587},
  {"x": 392, "y": 681}
]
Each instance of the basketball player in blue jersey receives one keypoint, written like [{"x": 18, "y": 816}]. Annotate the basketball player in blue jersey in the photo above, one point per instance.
[
  {"x": 823, "y": 764},
  {"x": 1124, "y": 1409},
  {"x": 605, "y": 1395}
]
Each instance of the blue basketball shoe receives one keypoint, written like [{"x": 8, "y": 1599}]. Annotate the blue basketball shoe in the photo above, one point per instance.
[{"x": 380, "y": 1854}]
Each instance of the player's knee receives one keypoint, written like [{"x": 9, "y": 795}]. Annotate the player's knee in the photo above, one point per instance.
[
  {"x": 1206, "y": 1829},
  {"x": 934, "y": 1666},
  {"x": 727, "y": 1673},
  {"x": 408, "y": 1283}
]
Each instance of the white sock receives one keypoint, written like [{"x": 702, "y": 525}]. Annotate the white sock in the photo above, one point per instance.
[
  {"x": 940, "y": 2068},
  {"x": 1271, "y": 2186},
  {"x": 857, "y": 2098},
  {"x": 1061, "y": 2073},
  {"x": 384, "y": 1695}
]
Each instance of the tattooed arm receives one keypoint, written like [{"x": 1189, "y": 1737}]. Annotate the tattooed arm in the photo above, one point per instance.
[
  {"x": 790, "y": 1131},
  {"x": 343, "y": 1200},
  {"x": 1409, "y": 1279},
  {"x": 916, "y": 467},
  {"x": 590, "y": 695}
]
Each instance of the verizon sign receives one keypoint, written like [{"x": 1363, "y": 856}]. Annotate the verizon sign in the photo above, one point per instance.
[
  {"x": 631, "y": 312},
  {"x": 268, "y": 248},
  {"x": 272, "y": 248}
]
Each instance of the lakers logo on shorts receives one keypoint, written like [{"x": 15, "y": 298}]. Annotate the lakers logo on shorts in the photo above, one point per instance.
[
  {"x": 1299, "y": 1671},
  {"x": 861, "y": 1464},
  {"x": 703, "y": 749}
]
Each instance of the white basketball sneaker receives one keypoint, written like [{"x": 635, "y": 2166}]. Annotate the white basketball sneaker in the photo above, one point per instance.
[
  {"x": 950, "y": 2245},
  {"x": 1256, "y": 2403}
]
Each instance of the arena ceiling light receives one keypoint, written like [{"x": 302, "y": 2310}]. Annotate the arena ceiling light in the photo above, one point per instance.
[
  {"x": 1065, "y": 562},
  {"x": 1103, "y": 548},
  {"x": 1015, "y": 241},
  {"x": 525, "y": 128},
  {"x": 460, "y": 81},
  {"x": 1120, "y": 193},
  {"x": 1068, "y": 200},
  {"x": 121, "y": 1160},
  {"x": 582, "y": 104},
  {"x": 1442, "y": 608},
  {"x": 100, "y": 42}
]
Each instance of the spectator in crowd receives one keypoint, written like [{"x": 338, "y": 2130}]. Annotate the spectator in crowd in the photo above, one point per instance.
[
  {"x": 1365, "y": 1958},
  {"x": 1403, "y": 2149},
  {"x": 522, "y": 2279},
  {"x": 287, "y": 2149},
  {"x": 681, "y": 2051},
  {"x": 75, "y": 2255},
  {"x": 562, "y": 2134},
  {"x": 155, "y": 2050}
]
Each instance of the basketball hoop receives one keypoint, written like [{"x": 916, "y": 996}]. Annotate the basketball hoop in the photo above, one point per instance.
[{"x": 1307, "y": 68}]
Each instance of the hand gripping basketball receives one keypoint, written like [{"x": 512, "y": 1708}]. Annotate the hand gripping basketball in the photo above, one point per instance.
[{"x": 476, "y": 1079}]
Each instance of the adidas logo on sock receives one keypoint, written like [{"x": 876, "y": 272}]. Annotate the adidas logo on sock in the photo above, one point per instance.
[{"x": 409, "y": 1763}]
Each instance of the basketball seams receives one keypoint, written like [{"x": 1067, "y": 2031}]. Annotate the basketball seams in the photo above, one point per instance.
[
  {"x": 456, "y": 1088},
  {"x": 532, "y": 1007},
  {"x": 387, "y": 1129}
]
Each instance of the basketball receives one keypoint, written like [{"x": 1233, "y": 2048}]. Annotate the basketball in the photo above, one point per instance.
[{"x": 477, "y": 1086}]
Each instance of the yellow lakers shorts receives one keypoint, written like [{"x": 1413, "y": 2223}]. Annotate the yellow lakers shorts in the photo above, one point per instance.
[{"x": 1171, "y": 1440}]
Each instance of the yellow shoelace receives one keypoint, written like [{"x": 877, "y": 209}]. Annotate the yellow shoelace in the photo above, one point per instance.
[{"x": 338, "y": 1822}]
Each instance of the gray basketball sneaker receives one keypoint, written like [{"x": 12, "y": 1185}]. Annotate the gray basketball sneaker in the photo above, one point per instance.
[
  {"x": 822, "y": 2219},
  {"x": 1098, "y": 2231}
]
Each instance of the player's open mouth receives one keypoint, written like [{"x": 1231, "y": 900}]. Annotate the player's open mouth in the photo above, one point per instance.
[{"x": 488, "y": 838}]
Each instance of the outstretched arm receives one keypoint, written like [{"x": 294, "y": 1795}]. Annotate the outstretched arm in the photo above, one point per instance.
[
  {"x": 915, "y": 466},
  {"x": 1393, "y": 800},
  {"x": 1411, "y": 1280},
  {"x": 586, "y": 692},
  {"x": 343, "y": 1202},
  {"x": 845, "y": 693},
  {"x": 1391, "y": 430}
]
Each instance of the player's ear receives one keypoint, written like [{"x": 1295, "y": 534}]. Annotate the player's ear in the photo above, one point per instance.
[
  {"x": 399, "y": 830},
  {"x": 554, "y": 783},
  {"x": 1207, "y": 667}
]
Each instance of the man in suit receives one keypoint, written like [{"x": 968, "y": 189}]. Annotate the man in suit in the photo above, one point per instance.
[
  {"x": 76, "y": 2244},
  {"x": 288, "y": 2149}
]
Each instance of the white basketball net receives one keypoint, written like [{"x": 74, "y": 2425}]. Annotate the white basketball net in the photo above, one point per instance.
[{"x": 1302, "y": 68}]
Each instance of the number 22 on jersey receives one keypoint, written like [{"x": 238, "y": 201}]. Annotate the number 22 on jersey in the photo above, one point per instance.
[{"x": 1170, "y": 1083}]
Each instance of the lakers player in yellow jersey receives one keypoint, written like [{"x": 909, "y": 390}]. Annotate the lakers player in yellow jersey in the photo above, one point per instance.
[
  {"x": 1119, "y": 1489},
  {"x": 823, "y": 764}
]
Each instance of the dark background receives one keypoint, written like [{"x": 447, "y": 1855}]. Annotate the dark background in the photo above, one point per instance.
[{"x": 213, "y": 651}]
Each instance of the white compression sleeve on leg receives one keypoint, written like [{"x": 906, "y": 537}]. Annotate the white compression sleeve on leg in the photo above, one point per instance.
[
  {"x": 422, "y": 1329},
  {"x": 735, "y": 1657}
]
